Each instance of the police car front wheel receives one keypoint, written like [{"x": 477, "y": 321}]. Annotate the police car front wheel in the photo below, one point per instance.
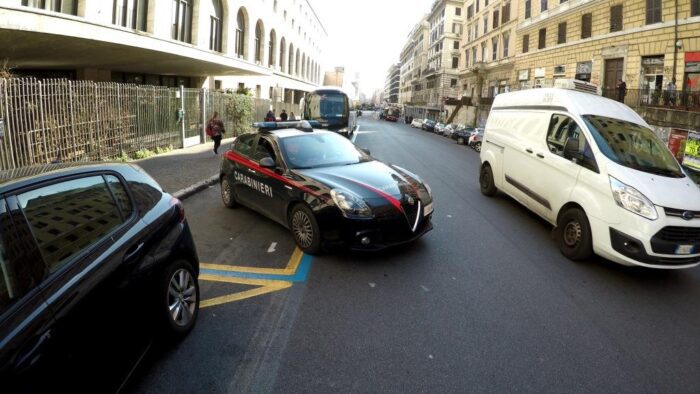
[
  {"x": 304, "y": 227},
  {"x": 227, "y": 196}
]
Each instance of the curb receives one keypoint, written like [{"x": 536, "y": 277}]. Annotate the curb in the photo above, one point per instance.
[{"x": 196, "y": 188}]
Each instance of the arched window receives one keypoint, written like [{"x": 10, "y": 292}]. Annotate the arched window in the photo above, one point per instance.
[
  {"x": 130, "y": 13},
  {"x": 296, "y": 63},
  {"x": 271, "y": 48},
  {"x": 240, "y": 33},
  {"x": 182, "y": 20},
  {"x": 283, "y": 51},
  {"x": 303, "y": 65},
  {"x": 259, "y": 40},
  {"x": 290, "y": 66},
  {"x": 217, "y": 26}
]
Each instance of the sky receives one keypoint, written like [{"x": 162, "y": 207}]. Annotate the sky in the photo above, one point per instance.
[{"x": 366, "y": 36}]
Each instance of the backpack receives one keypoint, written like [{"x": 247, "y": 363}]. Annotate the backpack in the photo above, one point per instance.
[{"x": 209, "y": 130}]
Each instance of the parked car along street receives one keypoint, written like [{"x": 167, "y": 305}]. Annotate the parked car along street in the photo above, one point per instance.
[
  {"x": 418, "y": 123},
  {"x": 475, "y": 139},
  {"x": 462, "y": 135},
  {"x": 428, "y": 125}
]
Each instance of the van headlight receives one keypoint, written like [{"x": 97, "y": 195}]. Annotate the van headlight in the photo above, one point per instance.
[
  {"x": 344, "y": 130},
  {"x": 350, "y": 204},
  {"x": 632, "y": 200}
]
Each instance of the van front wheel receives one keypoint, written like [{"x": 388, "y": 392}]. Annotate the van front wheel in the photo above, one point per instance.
[
  {"x": 488, "y": 187},
  {"x": 574, "y": 235}
]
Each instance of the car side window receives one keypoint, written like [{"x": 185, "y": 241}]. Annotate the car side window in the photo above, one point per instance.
[
  {"x": 563, "y": 128},
  {"x": 264, "y": 149},
  {"x": 119, "y": 191},
  {"x": 69, "y": 217},
  {"x": 17, "y": 276},
  {"x": 244, "y": 145}
]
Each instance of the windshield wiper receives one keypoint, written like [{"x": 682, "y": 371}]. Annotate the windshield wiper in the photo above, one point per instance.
[{"x": 662, "y": 171}]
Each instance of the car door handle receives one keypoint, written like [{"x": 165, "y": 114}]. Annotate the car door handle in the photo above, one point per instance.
[
  {"x": 30, "y": 355},
  {"x": 252, "y": 171},
  {"x": 540, "y": 155},
  {"x": 288, "y": 187},
  {"x": 528, "y": 150},
  {"x": 133, "y": 251}
]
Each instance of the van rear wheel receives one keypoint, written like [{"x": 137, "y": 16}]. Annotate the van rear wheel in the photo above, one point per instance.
[
  {"x": 574, "y": 235},
  {"x": 488, "y": 187}
]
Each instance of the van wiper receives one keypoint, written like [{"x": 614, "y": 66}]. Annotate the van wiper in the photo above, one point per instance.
[{"x": 662, "y": 171}]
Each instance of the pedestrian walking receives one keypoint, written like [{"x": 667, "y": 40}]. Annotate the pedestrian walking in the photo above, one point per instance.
[
  {"x": 621, "y": 91},
  {"x": 270, "y": 117},
  {"x": 215, "y": 130},
  {"x": 671, "y": 91},
  {"x": 284, "y": 116}
]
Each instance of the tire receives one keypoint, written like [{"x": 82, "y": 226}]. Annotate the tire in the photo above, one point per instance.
[
  {"x": 574, "y": 235},
  {"x": 486, "y": 183},
  {"x": 227, "y": 196},
  {"x": 477, "y": 146},
  {"x": 177, "y": 299},
  {"x": 305, "y": 230},
  {"x": 460, "y": 140}
]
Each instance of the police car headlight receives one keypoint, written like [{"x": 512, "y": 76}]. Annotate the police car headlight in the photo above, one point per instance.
[
  {"x": 632, "y": 200},
  {"x": 350, "y": 204}
]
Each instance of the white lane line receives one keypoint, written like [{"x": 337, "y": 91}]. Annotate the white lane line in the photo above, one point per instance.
[
  {"x": 425, "y": 289},
  {"x": 372, "y": 284},
  {"x": 272, "y": 247},
  {"x": 449, "y": 216}
]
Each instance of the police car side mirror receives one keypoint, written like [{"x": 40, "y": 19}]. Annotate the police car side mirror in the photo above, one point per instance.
[
  {"x": 366, "y": 151},
  {"x": 267, "y": 162}
]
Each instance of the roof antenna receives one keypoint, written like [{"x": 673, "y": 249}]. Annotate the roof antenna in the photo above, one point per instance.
[{"x": 304, "y": 126}]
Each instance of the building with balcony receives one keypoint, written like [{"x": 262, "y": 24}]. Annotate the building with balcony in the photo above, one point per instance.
[
  {"x": 391, "y": 86},
  {"x": 417, "y": 41},
  {"x": 488, "y": 50},
  {"x": 272, "y": 47},
  {"x": 652, "y": 45}
]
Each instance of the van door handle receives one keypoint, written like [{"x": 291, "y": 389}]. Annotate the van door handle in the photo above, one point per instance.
[
  {"x": 528, "y": 150},
  {"x": 540, "y": 155}
]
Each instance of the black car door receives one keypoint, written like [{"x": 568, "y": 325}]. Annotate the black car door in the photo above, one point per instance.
[
  {"x": 25, "y": 319},
  {"x": 240, "y": 162},
  {"x": 76, "y": 222},
  {"x": 271, "y": 191}
]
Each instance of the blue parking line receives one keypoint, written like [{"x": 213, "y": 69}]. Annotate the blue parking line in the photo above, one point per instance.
[{"x": 300, "y": 275}]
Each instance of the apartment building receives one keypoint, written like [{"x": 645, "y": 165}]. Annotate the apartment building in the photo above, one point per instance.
[
  {"x": 488, "y": 48},
  {"x": 406, "y": 72},
  {"x": 272, "y": 47},
  {"x": 419, "y": 38},
  {"x": 391, "y": 85}
]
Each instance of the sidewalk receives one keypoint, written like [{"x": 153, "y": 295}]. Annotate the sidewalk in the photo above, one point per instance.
[{"x": 182, "y": 169}]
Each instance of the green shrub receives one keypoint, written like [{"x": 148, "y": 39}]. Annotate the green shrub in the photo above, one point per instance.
[
  {"x": 240, "y": 110},
  {"x": 143, "y": 153}
]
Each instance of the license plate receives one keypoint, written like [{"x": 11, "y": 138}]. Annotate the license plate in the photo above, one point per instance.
[
  {"x": 684, "y": 249},
  {"x": 428, "y": 209}
]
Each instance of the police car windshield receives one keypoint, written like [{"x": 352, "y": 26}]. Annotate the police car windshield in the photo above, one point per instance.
[
  {"x": 320, "y": 150},
  {"x": 326, "y": 105},
  {"x": 633, "y": 146}
]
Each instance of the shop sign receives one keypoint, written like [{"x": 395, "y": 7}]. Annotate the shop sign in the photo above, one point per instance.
[
  {"x": 692, "y": 150},
  {"x": 524, "y": 75},
  {"x": 676, "y": 143},
  {"x": 539, "y": 72},
  {"x": 692, "y": 67}
]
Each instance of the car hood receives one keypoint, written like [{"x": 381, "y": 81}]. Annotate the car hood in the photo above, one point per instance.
[
  {"x": 370, "y": 180},
  {"x": 680, "y": 193}
]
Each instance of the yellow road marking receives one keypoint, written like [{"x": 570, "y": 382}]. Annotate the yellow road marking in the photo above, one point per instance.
[
  {"x": 290, "y": 269},
  {"x": 265, "y": 285}
]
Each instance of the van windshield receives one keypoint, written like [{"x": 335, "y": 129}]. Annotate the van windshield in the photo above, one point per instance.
[
  {"x": 633, "y": 146},
  {"x": 326, "y": 105}
]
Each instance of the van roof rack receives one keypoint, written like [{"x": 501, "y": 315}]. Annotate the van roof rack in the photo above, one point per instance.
[{"x": 579, "y": 86}]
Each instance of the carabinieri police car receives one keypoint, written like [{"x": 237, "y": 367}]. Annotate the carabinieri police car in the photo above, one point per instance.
[{"x": 324, "y": 189}]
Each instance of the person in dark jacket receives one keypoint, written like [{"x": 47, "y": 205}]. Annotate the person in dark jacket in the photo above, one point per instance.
[
  {"x": 270, "y": 117},
  {"x": 215, "y": 129},
  {"x": 621, "y": 91},
  {"x": 284, "y": 116}
]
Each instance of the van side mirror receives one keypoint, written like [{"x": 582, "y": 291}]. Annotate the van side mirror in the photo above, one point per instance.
[
  {"x": 267, "y": 162},
  {"x": 366, "y": 151},
  {"x": 571, "y": 150}
]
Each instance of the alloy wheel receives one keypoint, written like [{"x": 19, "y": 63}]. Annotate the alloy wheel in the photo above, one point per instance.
[
  {"x": 182, "y": 297},
  {"x": 303, "y": 231}
]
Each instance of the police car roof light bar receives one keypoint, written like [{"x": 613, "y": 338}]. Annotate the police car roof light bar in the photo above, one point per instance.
[{"x": 303, "y": 125}]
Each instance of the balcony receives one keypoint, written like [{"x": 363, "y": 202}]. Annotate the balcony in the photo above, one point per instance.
[{"x": 663, "y": 99}]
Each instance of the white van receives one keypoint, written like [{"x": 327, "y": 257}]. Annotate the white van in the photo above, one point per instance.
[{"x": 594, "y": 169}]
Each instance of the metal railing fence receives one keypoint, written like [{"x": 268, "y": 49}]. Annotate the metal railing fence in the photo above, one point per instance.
[{"x": 57, "y": 120}]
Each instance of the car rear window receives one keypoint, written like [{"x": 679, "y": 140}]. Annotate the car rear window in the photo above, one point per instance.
[{"x": 68, "y": 217}]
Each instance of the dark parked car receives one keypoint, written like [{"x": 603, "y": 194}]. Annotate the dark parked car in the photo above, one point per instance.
[
  {"x": 462, "y": 135},
  {"x": 90, "y": 256},
  {"x": 325, "y": 190},
  {"x": 428, "y": 125}
]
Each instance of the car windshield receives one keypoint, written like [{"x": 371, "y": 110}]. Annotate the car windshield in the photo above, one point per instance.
[
  {"x": 320, "y": 150},
  {"x": 325, "y": 105},
  {"x": 633, "y": 146}
]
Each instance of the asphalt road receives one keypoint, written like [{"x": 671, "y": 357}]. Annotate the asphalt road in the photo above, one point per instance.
[{"x": 484, "y": 302}]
